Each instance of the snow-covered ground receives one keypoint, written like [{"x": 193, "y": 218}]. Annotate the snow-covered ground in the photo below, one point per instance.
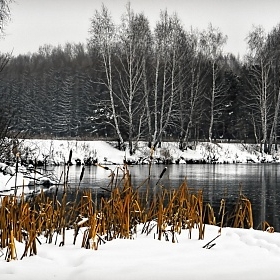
[
  {"x": 238, "y": 253},
  {"x": 241, "y": 254},
  {"x": 104, "y": 153},
  {"x": 57, "y": 151}
]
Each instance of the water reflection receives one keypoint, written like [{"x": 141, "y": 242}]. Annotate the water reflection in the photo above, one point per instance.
[{"x": 259, "y": 182}]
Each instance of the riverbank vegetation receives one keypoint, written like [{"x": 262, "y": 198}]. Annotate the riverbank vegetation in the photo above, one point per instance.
[
  {"x": 114, "y": 213},
  {"x": 132, "y": 82}
]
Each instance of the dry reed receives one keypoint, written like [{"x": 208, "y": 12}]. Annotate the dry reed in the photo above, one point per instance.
[
  {"x": 116, "y": 215},
  {"x": 242, "y": 215}
]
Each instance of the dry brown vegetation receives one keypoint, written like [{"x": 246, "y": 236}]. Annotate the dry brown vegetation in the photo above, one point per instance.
[{"x": 110, "y": 216}]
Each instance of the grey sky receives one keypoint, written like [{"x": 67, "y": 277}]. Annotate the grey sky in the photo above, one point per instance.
[{"x": 36, "y": 22}]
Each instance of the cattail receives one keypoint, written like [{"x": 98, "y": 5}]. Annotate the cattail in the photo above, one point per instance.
[
  {"x": 82, "y": 173},
  {"x": 161, "y": 174},
  {"x": 70, "y": 157}
]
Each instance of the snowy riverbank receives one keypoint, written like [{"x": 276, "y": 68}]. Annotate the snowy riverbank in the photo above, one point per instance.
[
  {"x": 242, "y": 254},
  {"x": 237, "y": 253},
  {"x": 57, "y": 152}
]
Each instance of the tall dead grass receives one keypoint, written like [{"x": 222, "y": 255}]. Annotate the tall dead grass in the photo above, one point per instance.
[{"x": 115, "y": 215}]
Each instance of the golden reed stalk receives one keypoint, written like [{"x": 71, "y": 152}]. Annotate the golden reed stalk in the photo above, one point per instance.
[{"x": 115, "y": 215}]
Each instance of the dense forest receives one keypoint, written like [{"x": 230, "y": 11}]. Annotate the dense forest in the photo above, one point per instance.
[{"x": 131, "y": 83}]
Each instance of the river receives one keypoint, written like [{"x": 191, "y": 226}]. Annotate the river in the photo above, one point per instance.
[{"x": 259, "y": 182}]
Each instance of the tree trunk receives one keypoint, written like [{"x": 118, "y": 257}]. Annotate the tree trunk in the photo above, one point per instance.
[
  {"x": 273, "y": 133},
  {"x": 212, "y": 102}
]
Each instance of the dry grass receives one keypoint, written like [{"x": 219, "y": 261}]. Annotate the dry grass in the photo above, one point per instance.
[
  {"x": 115, "y": 216},
  {"x": 242, "y": 215}
]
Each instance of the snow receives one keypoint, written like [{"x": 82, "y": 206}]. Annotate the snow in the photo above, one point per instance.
[
  {"x": 106, "y": 153},
  {"x": 23, "y": 180},
  {"x": 238, "y": 254},
  {"x": 56, "y": 152}
]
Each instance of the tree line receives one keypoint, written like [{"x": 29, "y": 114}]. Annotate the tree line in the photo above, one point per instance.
[{"x": 131, "y": 82}]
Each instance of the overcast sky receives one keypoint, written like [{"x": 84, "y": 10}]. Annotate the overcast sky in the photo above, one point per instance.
[{"x": 38, "y": 22}]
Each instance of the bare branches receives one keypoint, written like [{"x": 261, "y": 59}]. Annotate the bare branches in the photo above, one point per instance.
[{"x": 5, "y": 14}]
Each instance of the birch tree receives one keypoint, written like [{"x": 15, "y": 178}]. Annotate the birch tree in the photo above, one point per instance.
[
  {"x": 135, "y": 35},
  {"x": 191, "y": 88},
  {"x": 259, "y": 80},
  {"x": 212, "y": 42},
  {"x": 263, "y": 60},
  {"x": 5, "y": 116},
  {"x": 168, "y": 38},
  {"x": 272, "y": 47},
  {"x": 103, "y": 38},
  {"x": 5, "y": 14}
]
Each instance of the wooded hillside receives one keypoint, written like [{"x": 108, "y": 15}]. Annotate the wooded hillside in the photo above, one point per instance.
[{"x": 131, "y": 82}]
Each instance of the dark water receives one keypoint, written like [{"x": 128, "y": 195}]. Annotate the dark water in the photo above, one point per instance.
[{"x": 259, "y": 182}]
